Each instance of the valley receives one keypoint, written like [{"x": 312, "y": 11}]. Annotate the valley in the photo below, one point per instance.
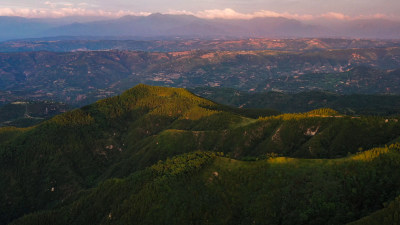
[
  {"x": 83, "y": 77},
  {"x": 72, "y": 44},
  {"x": 199, "y": 112},
  {"x": 318, "y": 125}
]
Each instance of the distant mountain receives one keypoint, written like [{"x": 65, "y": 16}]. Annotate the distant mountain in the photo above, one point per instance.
[
  {"x": 189, "y": 26},
  {"x": 171, "y": 26},
  {"x": 272, "y": 27},
  {"x": 152, "y": 25},
  {"x": 18, "y": 27},
  {"x": 371, "y": 28}
]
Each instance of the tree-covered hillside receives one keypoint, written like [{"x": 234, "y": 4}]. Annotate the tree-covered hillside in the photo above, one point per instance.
[
  {"x": 351, "y": 104},
  {"x": 24, "y": 114},
  {"x": 157, "y": 155}
]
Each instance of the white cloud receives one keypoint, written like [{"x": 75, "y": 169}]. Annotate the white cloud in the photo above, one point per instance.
[{"x": 225, "y": 14}]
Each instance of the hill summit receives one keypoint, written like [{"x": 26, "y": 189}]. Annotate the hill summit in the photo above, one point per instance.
[{"x": 147, "y": 153}]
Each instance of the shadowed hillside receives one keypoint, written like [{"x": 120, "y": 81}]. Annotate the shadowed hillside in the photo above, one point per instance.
[
  {"x": 100, "y": 164},
  {"x": 24, "y": 114},
  {"x": 351, "y": 104}
]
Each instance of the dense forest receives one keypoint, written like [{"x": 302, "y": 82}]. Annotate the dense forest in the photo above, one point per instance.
[
  {"x": 350, "y": 104},
  {"x": 156, "y": 155},
  {"x": 29, "y": 113}
]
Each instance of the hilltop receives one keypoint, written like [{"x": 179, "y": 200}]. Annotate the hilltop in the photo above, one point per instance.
[{"x": 124, "y": 159}]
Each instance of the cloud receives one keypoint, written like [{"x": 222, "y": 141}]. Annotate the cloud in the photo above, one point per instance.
[
  {"x": 225, "y": 14},
  {"x": 335, "y": 16},
  {"x": 66, "y": 11},
  {"x": 62, "y": 9},
  {"x": 58, "y": 4},
  {"x": 83, "y": 4},
  {"x": 343, "y": 17},
  {"x": 50, "y": 4},
  {"x": 232, "y": 14}
]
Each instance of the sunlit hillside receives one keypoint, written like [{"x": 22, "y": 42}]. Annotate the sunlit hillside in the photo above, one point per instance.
[{"x": 156, "y": 154}]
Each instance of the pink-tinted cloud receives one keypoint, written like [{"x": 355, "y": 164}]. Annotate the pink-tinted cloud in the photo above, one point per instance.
[
  {"x": 66, "y": 11},
  {"x": 232, "y": 14},
  {"x": 335, "y": 16},
  {"x": 84, "y": 9}
]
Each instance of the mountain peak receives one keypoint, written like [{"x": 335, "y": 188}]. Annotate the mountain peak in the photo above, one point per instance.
[
  {"x": 144, "y": 90},
  {"x": 172, "y": 16},
  {"x": 156, "y": 15},
  {"x": 164, "y": 101}
]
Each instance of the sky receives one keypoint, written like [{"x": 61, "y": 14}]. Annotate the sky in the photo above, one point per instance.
[{"x": 229, "y": 9}]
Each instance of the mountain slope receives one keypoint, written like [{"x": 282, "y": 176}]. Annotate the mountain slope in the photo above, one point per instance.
[
  {"x": 19, "y": 27},
  {"x": 354, "y": 104},
  {"x": 167, "y": 26},
  {"x": 388, "y": 215},
  {"x": 24, "y": 114},
  {"x": 61, "y": 160},
  {"x": 72, "y": 150},
  {"x": 203, "y": 188}
]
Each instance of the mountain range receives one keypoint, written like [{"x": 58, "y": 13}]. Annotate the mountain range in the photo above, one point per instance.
[
  {"x": 176, "y": 119},
  {"x": 85, "y": 76},
  {"x": 157, "y": 155},
  {"x": 166, "y": 26}
]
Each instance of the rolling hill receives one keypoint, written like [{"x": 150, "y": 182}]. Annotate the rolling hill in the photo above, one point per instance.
[
  {"x": 350, "y": 104},
  {"x": 83, "y": 77},
  {"x": 159, "y": 155},
  {"x": 68, "y": 44},
  {"x": 24, "y": 114}
]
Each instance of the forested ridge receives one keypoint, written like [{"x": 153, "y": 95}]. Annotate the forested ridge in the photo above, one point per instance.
[{"x": 156, "y": 155}]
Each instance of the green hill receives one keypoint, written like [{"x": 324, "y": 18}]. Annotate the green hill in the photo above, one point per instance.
[
  {"x": 100, "y": 164},
  {"x": 352, "y": 104},
  {"x": 202, "y": 188},
  {"x": 24, "y": 114}
]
